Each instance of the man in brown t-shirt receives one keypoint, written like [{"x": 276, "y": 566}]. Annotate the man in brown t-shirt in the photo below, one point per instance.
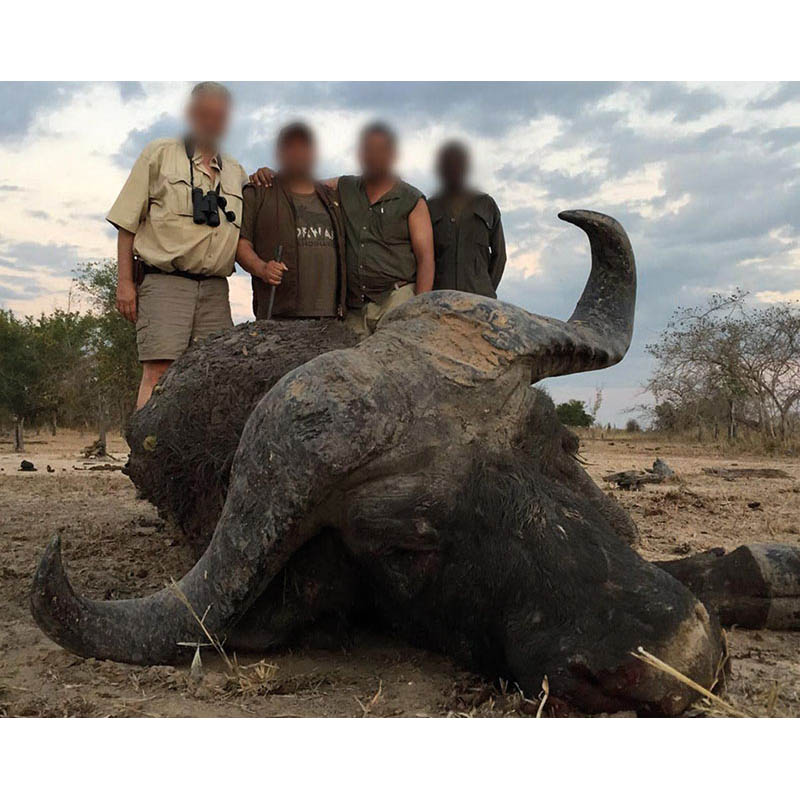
[{"x": 303, "y": 219}]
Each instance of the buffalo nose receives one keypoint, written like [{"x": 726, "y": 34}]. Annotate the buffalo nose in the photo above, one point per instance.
[{"x": 693, "y": 649}]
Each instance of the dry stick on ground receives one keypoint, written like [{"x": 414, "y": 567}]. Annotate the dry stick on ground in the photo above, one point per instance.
[
  {"x": 772, "y": 698},
  {"x": 544, "y": 695},
  {"x": 731, "y": 473},
  {"x": 263, "y": 671},
  {"x": 657, "y": 663},
  {"x": 178, "y": 592},
  {"x": 366, "y": 708},
  {"x": 724, "y": 658}
]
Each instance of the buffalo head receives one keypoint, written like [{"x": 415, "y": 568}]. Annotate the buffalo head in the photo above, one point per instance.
[{"x": 427, "y": 455}]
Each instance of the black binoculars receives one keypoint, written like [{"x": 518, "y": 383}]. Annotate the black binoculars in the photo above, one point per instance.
[{"x": 206, "y": 207}]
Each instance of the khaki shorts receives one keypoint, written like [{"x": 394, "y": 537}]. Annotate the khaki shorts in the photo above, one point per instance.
[
  {"x": 175, "y": 311},
  {"x": 364, "y": 320}
]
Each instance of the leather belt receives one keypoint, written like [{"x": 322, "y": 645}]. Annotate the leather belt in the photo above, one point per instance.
[{"x": 149, "y": 269}]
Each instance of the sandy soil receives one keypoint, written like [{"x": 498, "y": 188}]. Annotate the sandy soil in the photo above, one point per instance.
[{"x": 116, "y": 546}]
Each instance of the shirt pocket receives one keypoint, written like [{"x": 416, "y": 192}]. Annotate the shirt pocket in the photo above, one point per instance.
[
  {"x": 172, "y": 197},
  {"x": 393, "y": 225}
]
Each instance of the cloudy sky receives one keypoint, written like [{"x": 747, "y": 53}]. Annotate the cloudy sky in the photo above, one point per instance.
[{"x": 704, "y": 177}]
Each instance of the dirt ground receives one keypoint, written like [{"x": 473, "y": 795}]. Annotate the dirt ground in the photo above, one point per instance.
[{"x": 116, "y": 546}]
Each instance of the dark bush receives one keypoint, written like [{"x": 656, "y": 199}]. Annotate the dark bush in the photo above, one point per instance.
[{"x": 574, "y": 413}]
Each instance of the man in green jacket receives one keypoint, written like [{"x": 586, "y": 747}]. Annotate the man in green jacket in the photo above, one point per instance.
[{"x": 467, "y": 232}]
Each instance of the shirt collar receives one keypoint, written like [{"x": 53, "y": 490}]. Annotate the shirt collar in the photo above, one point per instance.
[
  {"x": 216, "y": 161},
  {"x": 392, "y": 194},
  {"x": 197, "y": 159}
]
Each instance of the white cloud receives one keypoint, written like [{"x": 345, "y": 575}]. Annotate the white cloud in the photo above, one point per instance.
[
  {"x": 792, "y": 296},
  {"x": 706, "y": 177}
]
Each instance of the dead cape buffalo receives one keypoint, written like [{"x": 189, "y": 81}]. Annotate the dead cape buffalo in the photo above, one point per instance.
[{"x": 418, "y": 475}]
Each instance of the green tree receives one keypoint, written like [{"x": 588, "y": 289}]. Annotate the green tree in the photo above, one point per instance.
[
  {"x": 574, "y": 413},
  {"x": 112, "y": 368},
  {"x": 61, "y": 342},
  {"x": 20, "y": 373},
  {"x": 76, "y": 368}
]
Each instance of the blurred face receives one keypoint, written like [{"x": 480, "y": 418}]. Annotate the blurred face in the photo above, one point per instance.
[
  {"x": 208, "y": 116},
  {"x": 297, "y": 158},
  {"x": 377, "y": 156},
  {"x": 453, "y": 168}
]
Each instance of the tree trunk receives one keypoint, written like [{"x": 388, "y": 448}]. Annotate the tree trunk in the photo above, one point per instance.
[
  {"x": 764, "y": 421},
  {"x": 53, "y": 424},
  {"x": 102, "y": 451},
  {"x": 19, "y": 435},
  {"x": 731, "y": 421},
  {"x": 782, "y": 425}
]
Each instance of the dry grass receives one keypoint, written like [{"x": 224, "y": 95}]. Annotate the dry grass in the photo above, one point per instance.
[
  {"x": 662, "y": 666},
  {"x": 369, "y": 706},
  {"x": 257, "y": 679},
  {"x": 747, "y": 442},
  {"x": 497, "y": 700},
  {"x": 712, "y": 704},
  {"x": 213, "y": 640},
  {"x": 251, "y": 679},
  {"x": 545, "y": 693}
]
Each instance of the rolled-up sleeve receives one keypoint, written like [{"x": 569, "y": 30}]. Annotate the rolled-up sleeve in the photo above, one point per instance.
[
  {"x": 249, "y": 213},
  {"x": 131, "y": 206}
]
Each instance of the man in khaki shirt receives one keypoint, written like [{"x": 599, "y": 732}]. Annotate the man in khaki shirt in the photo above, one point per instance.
[{"x": 178, "y": 217}]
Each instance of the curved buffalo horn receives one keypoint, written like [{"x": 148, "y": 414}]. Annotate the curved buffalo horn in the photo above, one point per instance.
[
  {"x": 598, "y": 333},
  {"x": 604, "y": 315},
  {"x": 300, "y": 439}
]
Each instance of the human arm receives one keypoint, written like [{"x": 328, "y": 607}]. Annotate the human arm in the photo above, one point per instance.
[
  {"x": 269, "y": 271},
  {"x": 421, "y": 232},
  {"x": 126, "y": 285},
  {"x": 497, "y": 258},
  {"x": 264, "y": 177},
  {"x": 126, "y": 215}
]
